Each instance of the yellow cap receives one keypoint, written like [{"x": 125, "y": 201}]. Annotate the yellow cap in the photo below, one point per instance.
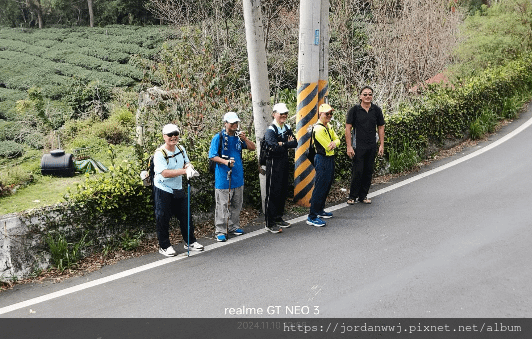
[{"x": 325, "y": 108}]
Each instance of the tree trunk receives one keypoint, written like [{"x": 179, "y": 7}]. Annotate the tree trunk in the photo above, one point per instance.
[
  {"x": 91, "y": 13},
  {"x": 35, "y": 7},
  {"x": 258, "y": 74}
]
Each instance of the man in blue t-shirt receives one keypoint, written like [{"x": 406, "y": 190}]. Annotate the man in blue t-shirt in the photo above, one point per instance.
[
  {"x": 170, "y": 163},
  {"x": 229, "y": 168}
]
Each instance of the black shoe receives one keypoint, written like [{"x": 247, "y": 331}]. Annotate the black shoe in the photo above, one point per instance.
[
  {"x": 273, "y": 229},
  {"x": 282, "y": 223}
]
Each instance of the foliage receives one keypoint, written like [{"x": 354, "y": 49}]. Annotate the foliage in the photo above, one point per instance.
[
  {"x": 114, "y": 200},
  {"x": 64, "y": 255},
  {"x": 70, "y": 13},
  {"x": 78, "y": 65},
  {"x": 12, "y": 176},
  {"x": 130, "y": 240},
  {"x": 494, "y": 35},
  {"x": 445, "y": 113},
  {"x": 111, "y": 131},
  {"x": 406, "y": 159},
  {"x": 10, "y": 149},
  {"x": 9, "y": 130},
  {"x": 100, "y": 208}
]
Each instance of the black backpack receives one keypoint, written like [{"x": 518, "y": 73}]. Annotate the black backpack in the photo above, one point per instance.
[
  {"x": 265, "y": 150},
  {"x": 311, "y": 152},
  {"x": 151, "y": 170}
]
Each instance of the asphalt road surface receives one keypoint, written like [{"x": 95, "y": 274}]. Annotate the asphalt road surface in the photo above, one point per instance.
[{"x": 453, "y": 240}]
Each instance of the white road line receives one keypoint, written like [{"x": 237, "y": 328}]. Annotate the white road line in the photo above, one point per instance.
[{"x": 162, "y": 262}]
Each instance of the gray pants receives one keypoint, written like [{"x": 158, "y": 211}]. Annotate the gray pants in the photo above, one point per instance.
[{"x": 221, "y": 212}]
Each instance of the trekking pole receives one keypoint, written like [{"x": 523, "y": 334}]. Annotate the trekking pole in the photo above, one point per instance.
[
  {"x": 228, "y": 200},
  {"x": 188, "y": 211}
]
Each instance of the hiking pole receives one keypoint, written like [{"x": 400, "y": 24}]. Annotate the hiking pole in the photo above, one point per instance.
[
  {"x": 188, "y": 213},
  {"x": 228, "y": 199}
]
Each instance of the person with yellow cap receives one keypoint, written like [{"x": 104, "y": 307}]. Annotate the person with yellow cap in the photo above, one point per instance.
[
  {"x": 325, "y": 141},
  {"x": 364, "y": 119}
]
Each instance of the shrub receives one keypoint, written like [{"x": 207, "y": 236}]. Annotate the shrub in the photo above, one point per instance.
[
  {"x": 123, "y": 116},
  {"x": 64, "y": 254},
  {"x": 9, "y": 130},
  {"x": 111, "y": 131},
  {"x": 402, "y": 161},
  {"x": 15, "y": 175},
  {"x": 94, "y": 143},
  {"x": 10, "y": 149},
  {"x": 35, "y": 140}
]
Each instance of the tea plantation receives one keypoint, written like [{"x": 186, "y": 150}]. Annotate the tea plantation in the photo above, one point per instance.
[
  {"x": 67, "y": 81},
  {"x": 54, "y": 58}
]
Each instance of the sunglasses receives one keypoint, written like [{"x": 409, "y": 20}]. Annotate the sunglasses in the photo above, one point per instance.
[
  {"x": 367, "y": 94},
  {"x": 173, "y": 134},
  {"x": 329, "y": 114},
  {"x": 285, "y": 113}
]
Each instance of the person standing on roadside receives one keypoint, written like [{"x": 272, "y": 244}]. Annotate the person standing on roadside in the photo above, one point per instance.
[
  {"x": 279, "y": 138},
  {"x": 325, "y": 141},
  {"x": 364, "y": 120},
  {"x": 170, "y": 162},
  {"x": 229, "y": 170}
]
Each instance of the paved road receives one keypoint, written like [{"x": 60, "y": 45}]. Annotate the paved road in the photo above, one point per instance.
[{"x": 450, "y": 241}]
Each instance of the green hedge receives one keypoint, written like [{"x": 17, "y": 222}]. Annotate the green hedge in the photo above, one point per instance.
[{"x": 446, "y": 112}]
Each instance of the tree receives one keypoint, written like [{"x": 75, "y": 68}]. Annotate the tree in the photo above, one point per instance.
[
  {"x": 91, "y": 13},
  {"x": 10, "y": 11},
  {"x": 35, "y": 7}
]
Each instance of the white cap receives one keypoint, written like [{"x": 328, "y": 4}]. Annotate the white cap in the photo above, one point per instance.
[
  {"x": 231, "y": 117},
  {"x": 170, "y": 128},
  {"x": 280, "y": 108}
]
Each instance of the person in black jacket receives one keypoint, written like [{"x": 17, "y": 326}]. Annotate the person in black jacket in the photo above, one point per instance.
[{"x": 279, "y": 138}]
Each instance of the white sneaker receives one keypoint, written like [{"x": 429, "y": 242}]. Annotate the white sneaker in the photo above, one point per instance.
[
  {"x": 169, "y": 252},
  {"x": 195, "y": 246}
]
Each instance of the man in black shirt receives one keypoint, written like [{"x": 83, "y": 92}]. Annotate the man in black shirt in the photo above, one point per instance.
[{"x": 364, "y": 119}]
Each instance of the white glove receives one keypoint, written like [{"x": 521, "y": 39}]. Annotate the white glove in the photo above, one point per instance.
[{"x": 191, "y": 172}]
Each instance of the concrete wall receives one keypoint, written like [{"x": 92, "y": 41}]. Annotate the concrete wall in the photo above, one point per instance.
[{"x": 20, "y": 254}]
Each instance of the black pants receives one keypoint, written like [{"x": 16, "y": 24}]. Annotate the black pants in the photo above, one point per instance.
[
  {"x": 276, "y": 188},
  {"x": 166, "y": 206},
  {"x": 362, "y": 172}
]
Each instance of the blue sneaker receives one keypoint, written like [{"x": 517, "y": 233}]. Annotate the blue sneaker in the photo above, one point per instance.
[
  {"x": 238, "y": 231},
  {"x": 325, "y": 215},
  {"x": 221, "y": 238},
  {"x": 315, "y": 222}
]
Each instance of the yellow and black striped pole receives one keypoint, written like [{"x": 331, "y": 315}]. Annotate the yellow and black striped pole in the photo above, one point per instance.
[
  {"x": 307, "y": 103},
  {"x": 307, "y": 97}
]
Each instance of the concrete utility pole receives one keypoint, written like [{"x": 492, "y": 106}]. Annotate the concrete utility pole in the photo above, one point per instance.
[
  {"x": 258, "y": 73},
  {"x": 309, "y": 70},
  {"x": 323, "y": 83}
]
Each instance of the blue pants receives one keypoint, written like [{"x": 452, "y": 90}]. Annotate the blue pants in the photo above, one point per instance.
[
  {"x": 322, "y": 183},
  {"x": 166, "y": 206}
]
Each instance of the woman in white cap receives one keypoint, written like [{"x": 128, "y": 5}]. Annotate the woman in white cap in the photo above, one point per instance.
[
  {"x": 279, "y": 138},
  {"x": 325, "y": 141},
  {"x": 226, "y": 152},
  {"x": 170, "y": 162}
]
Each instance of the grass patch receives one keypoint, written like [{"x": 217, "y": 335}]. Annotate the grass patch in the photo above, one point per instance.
[{"x": 46, "y": 191}]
